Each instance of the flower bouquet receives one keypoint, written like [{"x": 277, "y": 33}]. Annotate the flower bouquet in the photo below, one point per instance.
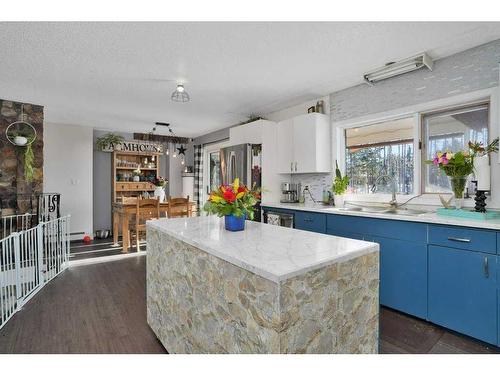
[
  {"x": 235, "y": 202},
  {"x": 459, "y": 165}
]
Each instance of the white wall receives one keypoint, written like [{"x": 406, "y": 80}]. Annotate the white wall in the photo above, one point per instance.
[{"x": 68, "y": 170}]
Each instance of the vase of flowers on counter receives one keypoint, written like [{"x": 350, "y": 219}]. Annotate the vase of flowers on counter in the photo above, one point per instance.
[
  {"x": 459, "y": 165},
  {"x": 234, "y": 202},
  {"x": 160, "y": 183}
]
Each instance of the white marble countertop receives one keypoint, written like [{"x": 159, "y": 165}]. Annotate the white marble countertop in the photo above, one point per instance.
[
  {"x": 273, "y": 252},
  {"x": 429, "y": 218}
]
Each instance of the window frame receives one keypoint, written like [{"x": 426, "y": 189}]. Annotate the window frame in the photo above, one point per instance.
[
  {"x": 416, "y": 137},
  {"x": 444, "y": 111},
  {"x": 491, "y": 95}
]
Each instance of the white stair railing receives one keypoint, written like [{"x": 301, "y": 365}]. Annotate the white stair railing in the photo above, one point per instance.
[{"x": 28, "y": 260}]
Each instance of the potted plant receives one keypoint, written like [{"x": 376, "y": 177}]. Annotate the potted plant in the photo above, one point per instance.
[
  {"x": 235, "y": 202},
  {"x": 160, "y": 183},
  {"x": 339, "y": 186},
  {"x": 108, "y": 140},
  {"x": 23, "y": 142}
]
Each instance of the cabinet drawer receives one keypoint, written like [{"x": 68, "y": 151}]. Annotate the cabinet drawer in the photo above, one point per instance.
[
  {"x": 121, "y": 187},
  {"x": 356, "y": 236},
  {"x": 397, "y": 229},
  {"x": 310, "y": 221},
  {"x": 463, "y": 238}
]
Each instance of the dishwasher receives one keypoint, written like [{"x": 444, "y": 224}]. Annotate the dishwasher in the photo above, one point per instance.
[{"x": 278, "y": 218}]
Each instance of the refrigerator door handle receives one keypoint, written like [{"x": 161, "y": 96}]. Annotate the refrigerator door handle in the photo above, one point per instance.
[{"x": 232, "y": 167}]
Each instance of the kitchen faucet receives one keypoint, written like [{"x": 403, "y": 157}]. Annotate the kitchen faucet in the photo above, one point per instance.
[{"x": 393, "y": 203}]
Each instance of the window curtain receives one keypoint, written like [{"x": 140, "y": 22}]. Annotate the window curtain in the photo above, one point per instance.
[{"x": 198, "y": 175}]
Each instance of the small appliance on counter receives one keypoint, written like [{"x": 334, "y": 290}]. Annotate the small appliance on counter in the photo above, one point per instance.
[{"x": 289, "y": 192}]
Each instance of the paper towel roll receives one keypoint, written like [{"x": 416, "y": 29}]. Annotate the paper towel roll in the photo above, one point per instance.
[{"x": 482, "y": 172}]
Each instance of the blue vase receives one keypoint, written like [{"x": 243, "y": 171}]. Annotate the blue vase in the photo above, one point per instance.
[{"x": 234, "y": 223}]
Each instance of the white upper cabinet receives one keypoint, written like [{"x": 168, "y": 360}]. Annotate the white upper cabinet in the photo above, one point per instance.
[
  {"x": 304, "y": 144},
  {"x": 248, "y": 133},
  {"x": 284, "y": 138}
]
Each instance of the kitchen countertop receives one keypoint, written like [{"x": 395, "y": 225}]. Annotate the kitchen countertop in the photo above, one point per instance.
[
  {"x": 273, "y": 252},
  {"x": 428, "y": 218}
]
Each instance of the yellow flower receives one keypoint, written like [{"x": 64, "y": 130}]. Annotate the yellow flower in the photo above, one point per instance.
[
  {"x": 449, "y": 155},
  {"x": 215, "y": 198},
  {"x": 239, "y": 195},
  {"x": 236, "y": 184},
  {"x": 439, "y": 154}
]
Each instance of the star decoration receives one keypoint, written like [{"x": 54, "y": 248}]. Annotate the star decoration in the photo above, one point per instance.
[{"x": 182, "y": 150}]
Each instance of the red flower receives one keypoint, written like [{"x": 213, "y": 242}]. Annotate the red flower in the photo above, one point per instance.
[
  {"x": 242, "y": 189},
  {"x": 229, "y": 196}
]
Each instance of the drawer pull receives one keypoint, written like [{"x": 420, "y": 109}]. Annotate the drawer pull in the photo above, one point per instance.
[
  {"x": 457, "y": 239},
  {"x": 486, "y": 268},
  {"x": 308, "y": 220}
]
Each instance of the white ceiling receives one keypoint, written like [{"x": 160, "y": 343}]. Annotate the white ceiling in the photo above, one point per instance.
[{"x": 120, "y": 75}]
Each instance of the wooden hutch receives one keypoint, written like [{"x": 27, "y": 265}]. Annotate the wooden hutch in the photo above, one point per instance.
[{"x": 126, "y": 165}]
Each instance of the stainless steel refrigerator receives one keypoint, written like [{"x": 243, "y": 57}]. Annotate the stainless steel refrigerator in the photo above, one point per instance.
[{"x": 242, "y": 161}]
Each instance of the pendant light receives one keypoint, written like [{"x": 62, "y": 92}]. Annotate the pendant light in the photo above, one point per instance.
[{"x": 180, "y": 94}]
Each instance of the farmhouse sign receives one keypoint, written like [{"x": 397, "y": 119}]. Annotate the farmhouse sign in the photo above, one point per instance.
[{"x": 134, "y": 146}]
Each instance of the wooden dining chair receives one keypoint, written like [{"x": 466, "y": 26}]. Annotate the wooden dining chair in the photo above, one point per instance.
[
  {"x": 178, "y": 207},
  {"x": 146, "y": 209}
]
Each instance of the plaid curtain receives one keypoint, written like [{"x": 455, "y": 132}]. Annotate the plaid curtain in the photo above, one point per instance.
[{"x": 198, "y": 175}]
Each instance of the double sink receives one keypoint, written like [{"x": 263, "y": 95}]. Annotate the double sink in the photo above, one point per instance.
[{"x": 381, "y": 209}]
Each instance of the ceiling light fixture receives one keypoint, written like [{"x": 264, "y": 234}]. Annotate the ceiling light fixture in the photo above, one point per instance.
[
  {"x": 393, "y": 69},
  {"x": 180, "y": 94}
]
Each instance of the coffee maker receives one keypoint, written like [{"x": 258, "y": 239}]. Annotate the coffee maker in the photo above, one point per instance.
[{"x": 289, "y": 193}]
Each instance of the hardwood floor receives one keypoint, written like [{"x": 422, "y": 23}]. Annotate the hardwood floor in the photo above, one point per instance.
[
  {"x": 101, "y": 308},
  {"x": 98, "y": 248}
]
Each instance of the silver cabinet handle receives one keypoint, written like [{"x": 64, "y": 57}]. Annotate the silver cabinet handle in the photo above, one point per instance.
[
  {"x": 486, "y": 268},
  {"x": 467, "y": 240},
  {"x": 291, "y": 166},
  {"x": 308, "y": 220},
  {"x": 295, "y": 166}
]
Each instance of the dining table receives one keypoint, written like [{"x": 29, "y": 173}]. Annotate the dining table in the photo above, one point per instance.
[{"x": 122, "y": 214}]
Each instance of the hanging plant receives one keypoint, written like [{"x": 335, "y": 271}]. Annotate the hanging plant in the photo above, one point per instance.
[
  {"x": 22, "y": 135},
  {"x": 107, "y": 140}
]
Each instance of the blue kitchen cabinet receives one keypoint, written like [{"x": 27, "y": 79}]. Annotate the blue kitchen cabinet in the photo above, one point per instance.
[
  {"x": 463, "y": 238},
  {"x": 355, "y": 236},
  {"x": 310, "y": 221},
  {"x": 463, "y": 292},
  {"x": 397, "y": 229},
  {"x": 403, "y": 275}
]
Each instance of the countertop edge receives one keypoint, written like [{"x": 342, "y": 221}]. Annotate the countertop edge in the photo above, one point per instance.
[
  {"x": 368, "y": 248},
  {"x": 428, "y": 218}
]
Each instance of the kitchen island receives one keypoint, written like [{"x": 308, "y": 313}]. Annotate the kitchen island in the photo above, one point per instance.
[{"x": 267, "y": 289}]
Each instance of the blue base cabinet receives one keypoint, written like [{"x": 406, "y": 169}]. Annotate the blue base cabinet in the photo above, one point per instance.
[
  {"x": 463, "y": 292},
  {"x": 403, "y": 275},
  {"x": 310, "y": 221},
  {"x": 445, "y": 274}
]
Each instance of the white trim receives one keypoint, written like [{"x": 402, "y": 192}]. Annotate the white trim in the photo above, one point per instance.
[
  {"x": 415, "y": 111},
  {"x": 111, "y": 258}
]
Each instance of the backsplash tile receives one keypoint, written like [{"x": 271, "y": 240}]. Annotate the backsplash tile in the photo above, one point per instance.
[{"x": 317, "y": 182}]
